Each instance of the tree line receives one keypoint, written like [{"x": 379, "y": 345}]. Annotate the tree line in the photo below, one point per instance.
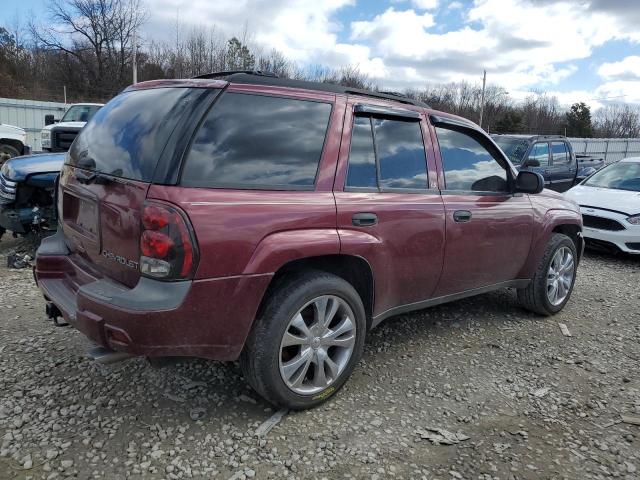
[{"x": 86, "y": 46}]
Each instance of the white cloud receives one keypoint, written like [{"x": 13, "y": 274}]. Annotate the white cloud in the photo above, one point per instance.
[
  {"x": 626, "y": 69},
  {"x": 425, "y": 4},
  {"x": 523, "y": 44}
]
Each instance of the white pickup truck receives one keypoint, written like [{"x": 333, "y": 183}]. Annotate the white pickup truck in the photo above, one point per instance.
[
  {"x": 13, "y": 142},
  {"x": 57, "y": 136}
]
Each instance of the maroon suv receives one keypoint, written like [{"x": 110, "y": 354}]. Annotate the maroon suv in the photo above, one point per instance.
[{"x": 278, "y": 221}]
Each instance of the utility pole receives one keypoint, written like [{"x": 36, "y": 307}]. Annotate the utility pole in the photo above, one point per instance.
[
  {"x": 484, "y": 84},
  {"x": 64, "y": 89},
  {"x": 135, "y": 59}
]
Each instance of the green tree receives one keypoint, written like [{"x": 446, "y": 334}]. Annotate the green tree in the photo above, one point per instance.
[
  {"x": 511, "y": 122},
  {"x": 579, "y": 121},
  {"x": 239, "y": 57}
]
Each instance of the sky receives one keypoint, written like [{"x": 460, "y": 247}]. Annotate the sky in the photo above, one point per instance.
[{"x": 577, "y": 50}]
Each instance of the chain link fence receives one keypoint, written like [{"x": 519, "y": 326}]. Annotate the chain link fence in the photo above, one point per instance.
[{"x": 611, "y": 149}]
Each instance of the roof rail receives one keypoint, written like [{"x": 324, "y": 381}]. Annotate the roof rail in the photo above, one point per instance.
[
  {"x": 231, "y": 72},
  {"x": 398, "y": 97}
]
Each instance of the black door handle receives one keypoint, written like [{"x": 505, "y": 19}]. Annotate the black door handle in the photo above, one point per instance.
[
  {"x": 364, "y": 219},
  {"x": 462, "y": 216}
]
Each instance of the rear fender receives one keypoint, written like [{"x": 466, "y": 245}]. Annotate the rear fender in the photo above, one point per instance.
[
  {"x": 280, "y": 248},
  {"x": 552, "y": 220}
]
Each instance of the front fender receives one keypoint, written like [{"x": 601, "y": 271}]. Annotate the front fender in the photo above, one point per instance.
[
  {"x": 553, "y": 219},
  {"x": 280, "y": 248}
]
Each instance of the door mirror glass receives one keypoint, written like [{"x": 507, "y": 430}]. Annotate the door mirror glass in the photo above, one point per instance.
[{"x": 529, "y": 182}]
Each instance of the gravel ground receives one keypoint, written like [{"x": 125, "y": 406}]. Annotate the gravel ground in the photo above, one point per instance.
[{"x": 518, "y": 399}]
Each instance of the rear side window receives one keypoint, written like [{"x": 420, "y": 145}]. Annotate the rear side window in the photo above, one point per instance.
[
  {"x": 468, "y": 165},
  {"x": 399, "y": 153},
  {"x": 540, "y": 152},
  {"x": 256, "y": 141},
  {"x": 401, "y": 156},
  {"x": 362, "y": 157},
  {"x": 559, "y": 152},
  {"x": 126, "y": 137}
]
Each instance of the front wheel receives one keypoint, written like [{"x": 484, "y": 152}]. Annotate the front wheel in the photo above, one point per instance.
[
  {"x": 306, "y": 342},
  {"x": 7, "y": 152},
  {"x": 552, "y": 284}
]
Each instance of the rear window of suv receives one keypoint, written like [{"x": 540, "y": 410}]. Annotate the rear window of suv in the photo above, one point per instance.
[
  {"x": 126, "y": 137},
  {"x": 258, "y": 142}
]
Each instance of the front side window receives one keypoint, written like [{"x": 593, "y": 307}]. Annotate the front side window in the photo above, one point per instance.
[
  {"x": 397, "y": 161},
  {"x": 559, "y": 152},
  {"x": 540, "y": 152},
  {"x": 468, "y": 165},
  {"x": 257, "y": 141}
]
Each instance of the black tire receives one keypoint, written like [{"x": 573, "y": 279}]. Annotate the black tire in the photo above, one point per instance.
[
  {"x": 7, "y": 151},
  {"x": 534, "y": 297},
  {"x": 260, "y": 357}
]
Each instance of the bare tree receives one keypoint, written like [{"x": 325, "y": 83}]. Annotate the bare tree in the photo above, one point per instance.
[
  {"x": 96, "y": 34},
  {"x": 617, "y": 121}
]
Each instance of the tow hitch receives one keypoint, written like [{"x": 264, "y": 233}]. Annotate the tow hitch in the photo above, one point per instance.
[{"x": 54, "y": 314}]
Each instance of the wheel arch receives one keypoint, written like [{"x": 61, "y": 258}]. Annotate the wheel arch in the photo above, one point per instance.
[
  {"x": 15, "y": 143},
  {"x": 353, "y": 269}
]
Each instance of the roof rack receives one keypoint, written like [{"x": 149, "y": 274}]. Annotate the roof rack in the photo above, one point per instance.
[
  {"x": 268, "y": 78},
  {"x": 226, "y": 73}
]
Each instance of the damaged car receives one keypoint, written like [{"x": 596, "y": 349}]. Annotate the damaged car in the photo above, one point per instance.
[{"x": 27, "y": 186}]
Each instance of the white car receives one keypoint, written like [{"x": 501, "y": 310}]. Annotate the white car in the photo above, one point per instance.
[
  {"x": 68, "y": 127},
  {"x": 610, "y": 205},
  {"x": 13, "y": 141}
]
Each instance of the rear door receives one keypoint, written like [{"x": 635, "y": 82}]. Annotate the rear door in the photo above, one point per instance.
[
  {"x": 389, "y": 208},
  {"x": 110, "y": 166},
  {"x": 563, "y": 168},
  {"x": 488, "y": 228}
]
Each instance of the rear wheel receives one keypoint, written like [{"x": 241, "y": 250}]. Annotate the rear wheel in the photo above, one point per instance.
[
  {"x": 552, "y": 284},
  {"x": 307, "y": 341}
]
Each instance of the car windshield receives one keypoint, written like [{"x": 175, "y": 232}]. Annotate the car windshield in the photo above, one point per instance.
[
  {"x": 80, "y": 113},
  {"x": 513, "y": 148},
  {"x": 619, "y": 176}
]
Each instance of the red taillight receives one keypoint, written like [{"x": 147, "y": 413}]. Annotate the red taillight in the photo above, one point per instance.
[
  {"x": 154, "y": 217},
  {"x": 155, "y": 244},
  {"x": 167, "y": 245}
]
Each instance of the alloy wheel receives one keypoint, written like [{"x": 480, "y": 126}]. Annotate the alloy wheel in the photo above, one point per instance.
[
  {"x": 317, "y": 345},
  {"x": 560, "y": 276}
]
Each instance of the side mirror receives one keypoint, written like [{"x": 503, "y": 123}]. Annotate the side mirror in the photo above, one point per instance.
[
  {"x": 532, "y": 162},
  {"x": 49, "y": 120},
  {"x": 529, "y": 182}
]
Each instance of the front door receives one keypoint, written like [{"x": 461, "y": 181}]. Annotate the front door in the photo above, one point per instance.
[
  {"x": 390, "y": 211},
  {"x": 538, "y": 161},
  {"x": 488, "y": 228}
]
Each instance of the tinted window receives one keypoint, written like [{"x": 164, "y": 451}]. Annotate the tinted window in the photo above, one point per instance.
[
  {"x": 362, "y": 157},
  {"x": 258, "y": 142},
  {"x": 125, "y": 138},
  {"x": 514, "y": 149},
  {"x": 80, "y": 113},
  {"x": 401, "y": 154},
  {"x": 540, "y": 152},
  {"x": 559, "y": 152},
  {"x": 468, "y": 165}
]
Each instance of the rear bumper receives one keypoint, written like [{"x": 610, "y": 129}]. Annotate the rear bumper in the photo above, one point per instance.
[{"x": 201, "y": 318}]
